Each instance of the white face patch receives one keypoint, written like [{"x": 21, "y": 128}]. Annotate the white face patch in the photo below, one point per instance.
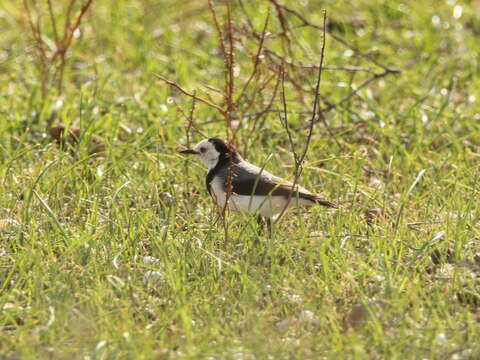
[{"x": 207, "y": 153}]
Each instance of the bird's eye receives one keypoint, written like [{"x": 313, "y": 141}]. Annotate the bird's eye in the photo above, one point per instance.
[{"x": 202, "y": 149}]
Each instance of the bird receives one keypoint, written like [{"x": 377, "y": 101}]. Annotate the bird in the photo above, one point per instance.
[{"x": 253, "y": 190}]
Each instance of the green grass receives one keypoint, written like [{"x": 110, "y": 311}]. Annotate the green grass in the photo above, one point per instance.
[{"x": 75, "y": 230}]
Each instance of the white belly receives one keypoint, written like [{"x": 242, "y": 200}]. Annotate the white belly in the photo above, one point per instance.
[{"x": 267, "y": 206}]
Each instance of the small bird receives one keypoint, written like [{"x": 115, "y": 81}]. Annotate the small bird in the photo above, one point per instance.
[{"x": 253, "y": 190}]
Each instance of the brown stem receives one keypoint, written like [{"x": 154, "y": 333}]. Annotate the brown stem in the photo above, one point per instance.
[
  {"x": 316, "y": 111},
  {"x": 174, "y": 84},
  {"x": 339, "y": 39},
  {"x": 52, "y": 19},
  {"x": 257, "y": 59},
  {"x": 187, "y": 132},
  {"x": 230, "y": 63}
]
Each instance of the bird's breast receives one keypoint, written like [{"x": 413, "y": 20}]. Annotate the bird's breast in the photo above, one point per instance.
[{"x": 217, "y": 190}]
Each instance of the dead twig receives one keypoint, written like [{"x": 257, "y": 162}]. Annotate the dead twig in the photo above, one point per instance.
[
  {"x": 193, "y": 126},
  {"x": 338, "y": 38},
  {"x": 52, "y": 20},
  {"x": 230, "y": 63},
  {"x": 284, "y": 25},
  {"x": 57, "y": 58},
  {"x": 219, "y": 31},
  {"x": 280, "y": 61},
  {"x": 64, "y": 44},
  {"x": 229, "y": 89},
  {"x": 316, "y": 113},
  {"x": 192, "y": 95},
  {"x": 257, "y": 59},
  {"x": 228, "y": 54},
  {"x": 356, "y": 90},
  {"x": 315, "y": 67},
  {"x": 187, "y": 133}
]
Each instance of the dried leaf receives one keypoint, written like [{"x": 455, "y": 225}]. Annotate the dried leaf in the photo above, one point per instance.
[
  {"x": 360, "y": 313},
  {"x": 58, "y": 134},
  {"x": 356, "y": 317},
  {"x": 372, "y": 215},
  {"x": 438, "y": 257}
]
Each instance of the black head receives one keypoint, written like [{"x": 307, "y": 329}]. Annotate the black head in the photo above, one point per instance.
[
  {"x": 221, "y": 146},
  {"x": 214, "y": 152},
  {"x": 225, "y": 149}
]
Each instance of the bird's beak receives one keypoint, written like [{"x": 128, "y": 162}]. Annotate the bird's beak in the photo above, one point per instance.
[{"x": 189, "y": 152}]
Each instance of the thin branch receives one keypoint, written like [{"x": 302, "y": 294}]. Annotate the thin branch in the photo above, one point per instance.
[
  {"x": 320, "y": 116},
  {"x": 62, "y": 44},
  {"x": 187, "y": 133},
  {"x": 270, "y": 53},
  {"x": 71, "y": 29},
  {"x": 284, "y": 119},
  {"x": 316, "y": 113},
  {"x": 218, "y": 28},
  {"x": 68, "y": 16},
  {"x": 356, "y": 90},
  {"x": 230, "y": 63},
  {"x": 325, "y": 67},
  {"x": 257, "y": 58},
  {"x": 214, "y": 89},
  {"x": 229, "y": 88},
  {"x": 192, "y": 95},
  {"x": 285, "y": 28},
  {"x": 339, "y": 39},
  {"x": 40, "y": 45},
  {"x": 190, "y": 120},
  {"x": 254, "y": 71},
  {"x": 52, "y": 19},
  {"x": 267, "y": 108},
  {"x": 221, "y": 40},
  {"x": 316, "y": 105},
  {"x": 194, "y": 126}
]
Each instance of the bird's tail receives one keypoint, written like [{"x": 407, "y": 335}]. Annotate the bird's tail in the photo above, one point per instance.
[{"x": 315, "y": 199}]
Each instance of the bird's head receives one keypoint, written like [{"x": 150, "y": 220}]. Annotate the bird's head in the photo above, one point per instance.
[{"x": 212, "y": 151}]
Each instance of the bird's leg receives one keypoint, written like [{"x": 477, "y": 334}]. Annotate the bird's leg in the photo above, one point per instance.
[
  {"x": 265, "y": 222},
  {"x": 260, "y": 220},
  {"x": 269, "y": 226}
]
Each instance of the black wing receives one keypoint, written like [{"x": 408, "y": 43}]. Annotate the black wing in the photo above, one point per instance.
[
  {"x": 251, "y": 180},
  {"x": 260, "y": 186}
]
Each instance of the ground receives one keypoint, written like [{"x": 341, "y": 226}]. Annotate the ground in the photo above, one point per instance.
[{"x": 111, "y": 247}]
